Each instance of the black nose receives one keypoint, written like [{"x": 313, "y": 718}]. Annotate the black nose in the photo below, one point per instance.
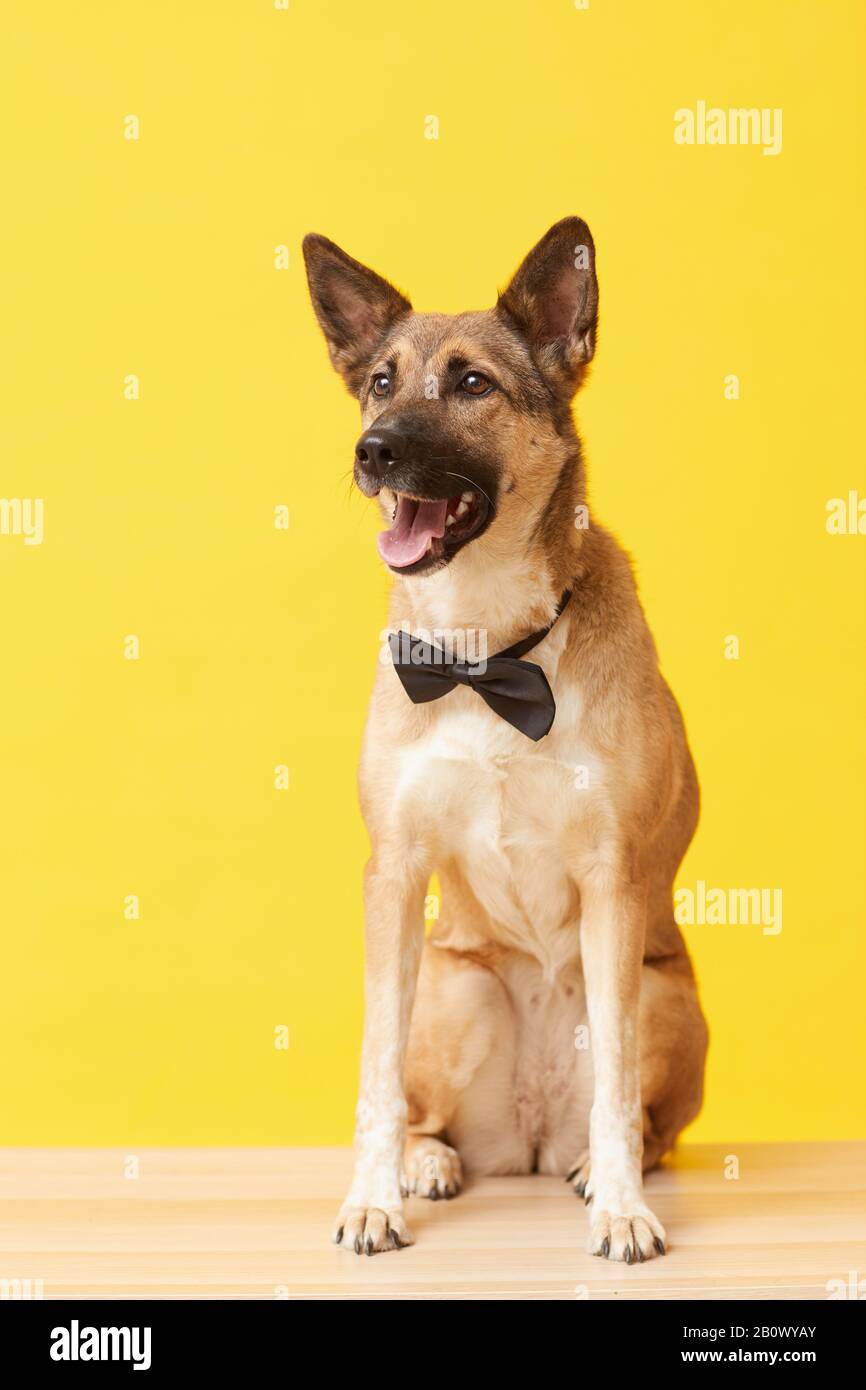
[{"x": 378, "y": 450}]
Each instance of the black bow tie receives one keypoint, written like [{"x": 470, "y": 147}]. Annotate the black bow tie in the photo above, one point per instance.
[{"x": 517, "y": 690}]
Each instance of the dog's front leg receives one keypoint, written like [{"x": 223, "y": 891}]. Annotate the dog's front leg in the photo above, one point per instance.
[
  {"x": 613, "y": 930},
  {"x": 371, "y": 1217}
]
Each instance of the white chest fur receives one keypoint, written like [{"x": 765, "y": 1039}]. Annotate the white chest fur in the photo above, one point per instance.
[{"x": 506, "y": 811}]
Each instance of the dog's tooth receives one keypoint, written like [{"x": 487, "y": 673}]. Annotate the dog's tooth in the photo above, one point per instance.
[
  {"x": 449, "y": 521},
  {"x": 467, "y": 496},
  {"x": 462, "y": 508}
]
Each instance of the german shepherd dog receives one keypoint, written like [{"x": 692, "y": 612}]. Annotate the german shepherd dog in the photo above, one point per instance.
[{"x": 556, "y": 855}]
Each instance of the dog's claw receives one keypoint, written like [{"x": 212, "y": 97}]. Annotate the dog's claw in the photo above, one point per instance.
[
  {"x": 432, "y": 1169},
  {"x": 369, "y": 1230},
  {"x": 633, "y": 1238}
]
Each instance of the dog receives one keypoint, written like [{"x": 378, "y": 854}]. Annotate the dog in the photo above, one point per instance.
[{"x": 550, "y": 1022}]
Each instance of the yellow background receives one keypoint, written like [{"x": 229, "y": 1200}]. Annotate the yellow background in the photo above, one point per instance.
[{"x": 156, "y": 777}]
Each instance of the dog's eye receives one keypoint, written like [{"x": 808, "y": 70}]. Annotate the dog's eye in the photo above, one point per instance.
[
  {"x": 474, "y": 384},
  {"x": 381, "y": 385}
]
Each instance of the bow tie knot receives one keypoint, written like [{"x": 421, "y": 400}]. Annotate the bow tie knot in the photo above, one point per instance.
[{"x": 465, "y": 674}]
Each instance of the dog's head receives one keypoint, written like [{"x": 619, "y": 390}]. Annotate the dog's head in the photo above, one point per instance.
[{"x": 467, "y": 426}]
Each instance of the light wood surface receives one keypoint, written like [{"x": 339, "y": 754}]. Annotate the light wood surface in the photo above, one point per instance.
[{"x": 254, "y": 1223}]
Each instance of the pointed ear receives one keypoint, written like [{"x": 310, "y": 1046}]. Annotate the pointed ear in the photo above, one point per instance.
[
  {"x": 553, "y": 300},
  {"x": 355, "y": 306}
]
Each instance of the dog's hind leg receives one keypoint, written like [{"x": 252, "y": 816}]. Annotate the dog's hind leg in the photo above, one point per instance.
[
  {"x": 431, "y": 1168},
  {"x": 461, "y": 1017}
]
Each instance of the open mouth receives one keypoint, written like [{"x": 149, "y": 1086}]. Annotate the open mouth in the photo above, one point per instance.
[{"x": 424, "y": 533}]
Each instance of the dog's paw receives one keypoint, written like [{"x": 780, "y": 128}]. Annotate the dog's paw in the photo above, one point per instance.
[
  {"x": 634, "y": 1235},
  {"x": 368, "y": 1230},
  {"x": 431, "y": 1169},
  {"x": 579, "y": 1178}
]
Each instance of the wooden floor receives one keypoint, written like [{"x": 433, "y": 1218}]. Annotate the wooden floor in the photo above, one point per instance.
[{"x": 254, "y": 1223}]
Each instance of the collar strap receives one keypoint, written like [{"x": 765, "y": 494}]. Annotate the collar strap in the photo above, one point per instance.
[{"x": 527, "y": 643}]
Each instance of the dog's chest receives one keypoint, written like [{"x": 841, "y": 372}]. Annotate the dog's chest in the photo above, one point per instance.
[{"x": 504, "y": 811}]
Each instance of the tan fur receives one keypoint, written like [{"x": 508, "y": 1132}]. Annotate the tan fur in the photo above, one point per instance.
[{"x": 556, "y": 910}]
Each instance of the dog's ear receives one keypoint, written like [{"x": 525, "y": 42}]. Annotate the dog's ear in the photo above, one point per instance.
[
  {"x": 553, "y": 300},
  {"x": 355, "y": 306}
]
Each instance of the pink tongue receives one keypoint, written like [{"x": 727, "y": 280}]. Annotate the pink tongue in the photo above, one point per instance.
[{"x": 412, "y": 530}]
